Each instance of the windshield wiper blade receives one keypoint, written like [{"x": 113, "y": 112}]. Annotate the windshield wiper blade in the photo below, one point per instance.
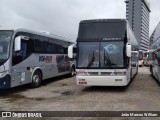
[
  {"x": 106, "y": 57},
  {"x": 91, "y": 61}
]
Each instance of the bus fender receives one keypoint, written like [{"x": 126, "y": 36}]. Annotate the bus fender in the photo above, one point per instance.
[{"x": 37, "y": 68}]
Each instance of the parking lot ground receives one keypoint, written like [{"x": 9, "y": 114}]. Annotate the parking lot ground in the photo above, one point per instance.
[{"x": 62, "y": 94}]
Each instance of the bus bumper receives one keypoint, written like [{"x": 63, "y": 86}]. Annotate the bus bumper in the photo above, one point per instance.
[
  {"x": 5, "y": 82},
  {"x": 102, "y": 80}
]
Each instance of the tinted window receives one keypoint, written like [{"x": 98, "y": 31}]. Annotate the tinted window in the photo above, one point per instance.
[
  {"x": 59, "y": 49},
  {"x": 101, "y": 54},
  {"x": 102, "y": 30},
  {"x": 111, "y": 54},
  {"x": 5, "y": 38},
  {"x": 88, "y": 55},
  {"x": 49, "y": 47},
  {"x": 65, "y": 50},
  {"x": 39, "y": 44},
  {"x": 53, "y": 47}
]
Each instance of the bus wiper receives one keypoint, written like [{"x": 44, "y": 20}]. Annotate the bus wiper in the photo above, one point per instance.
[
  {"x": 106, "y": 57},
  {"x": 91, "y": 61}
]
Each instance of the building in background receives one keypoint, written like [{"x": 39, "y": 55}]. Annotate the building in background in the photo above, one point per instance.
[{"x": 138, "y": 16}]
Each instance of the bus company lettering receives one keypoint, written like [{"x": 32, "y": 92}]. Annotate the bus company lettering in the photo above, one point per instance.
[{"x": 47, "y": 59}]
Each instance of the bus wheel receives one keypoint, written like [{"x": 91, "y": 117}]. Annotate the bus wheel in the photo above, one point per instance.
[
  {"x": 72, "y": 71},
  {"x": 36, "y": 79}
]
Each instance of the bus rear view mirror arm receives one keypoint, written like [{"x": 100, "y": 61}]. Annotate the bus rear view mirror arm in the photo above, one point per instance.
[{"x": 128, "y": 50}]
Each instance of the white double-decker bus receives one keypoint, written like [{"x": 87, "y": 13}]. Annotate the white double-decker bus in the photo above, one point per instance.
[
  {"x": 106, "y": 53},
  {"x": 30, "y": 57},
  {"x": 154, "y": 53}
]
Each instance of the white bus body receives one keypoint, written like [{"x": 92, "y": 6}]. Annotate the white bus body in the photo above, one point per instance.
[
  {"x": 29, "y": 57},
  {"x": 105, "y": 60},
  {"x": 154, "y": 53}
]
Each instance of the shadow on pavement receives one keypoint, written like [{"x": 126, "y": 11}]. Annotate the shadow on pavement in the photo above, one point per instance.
[
  {"x": 54, "y": 79},
  {"x": 105, "y": 89},
  {"x": 23, "y": 88}
]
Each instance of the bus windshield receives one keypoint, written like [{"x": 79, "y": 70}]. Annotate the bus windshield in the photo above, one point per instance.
[
  {"x": 101, "y": 54},
  {"x": 5, "y": 37},
  {"x": 102, "y": 30}
]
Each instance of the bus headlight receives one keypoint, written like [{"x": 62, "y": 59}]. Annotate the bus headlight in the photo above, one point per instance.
[
  {"x": 83, "y": 73},
  {"x": 119, "y": 73},
  {"x": 3, "y": 74}
]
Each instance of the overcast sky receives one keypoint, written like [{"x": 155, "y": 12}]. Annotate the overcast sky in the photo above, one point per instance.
[{"x": 62, "y": 17}]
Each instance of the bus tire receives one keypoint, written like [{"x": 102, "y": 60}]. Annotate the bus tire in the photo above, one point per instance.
[
  {"x": 72, "y": 71},
  {"x": 36, "y": 79}
]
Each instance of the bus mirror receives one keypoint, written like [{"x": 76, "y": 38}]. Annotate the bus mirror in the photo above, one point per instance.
[
  {"x": 17, "y": 44},
  {"x": 129, "y": 50},
  {"x": 70, "y": 51}
]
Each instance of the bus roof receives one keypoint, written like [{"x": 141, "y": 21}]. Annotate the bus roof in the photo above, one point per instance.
[
  {"x": 103, "y": 20},
  {"x": 44, "y": 33}
]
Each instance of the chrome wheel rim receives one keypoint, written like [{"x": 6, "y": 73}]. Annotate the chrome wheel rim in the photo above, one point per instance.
[{"x": 36, "y": 79}]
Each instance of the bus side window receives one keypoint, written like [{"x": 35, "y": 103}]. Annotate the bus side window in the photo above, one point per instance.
[
  {"x": 38, "y": 44},
  {"x": 50, "y": 47},
  {"x": 60, "y": 49},
  {"x": 65, "y": 50}
]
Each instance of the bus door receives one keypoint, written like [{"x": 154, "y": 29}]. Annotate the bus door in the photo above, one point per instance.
[{"x": 21, "y": 70}]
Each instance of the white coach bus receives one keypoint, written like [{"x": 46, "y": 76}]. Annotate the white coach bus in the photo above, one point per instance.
[
  {"x": 107, "y": 53},
  {"x": 30, "y": 57},
  {"x": 154, "y": 53}
]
